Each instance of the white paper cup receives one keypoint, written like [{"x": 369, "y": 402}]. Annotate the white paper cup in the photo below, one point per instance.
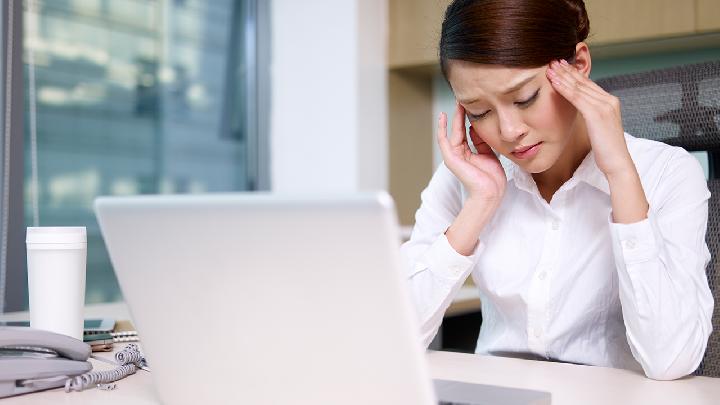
[{"x": 56, "y": 258}]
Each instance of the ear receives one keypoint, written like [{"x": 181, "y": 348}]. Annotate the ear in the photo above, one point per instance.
[{"x": 582, "y": 60}]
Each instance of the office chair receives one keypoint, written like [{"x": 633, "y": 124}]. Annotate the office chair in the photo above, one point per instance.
[{"x": 681, "y": 106}]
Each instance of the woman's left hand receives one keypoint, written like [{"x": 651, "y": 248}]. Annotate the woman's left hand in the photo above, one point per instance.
[{"x": 601, "y": 111}]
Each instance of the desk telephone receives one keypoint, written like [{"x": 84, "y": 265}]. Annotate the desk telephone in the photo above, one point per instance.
[{"x": 33, "y": 360}]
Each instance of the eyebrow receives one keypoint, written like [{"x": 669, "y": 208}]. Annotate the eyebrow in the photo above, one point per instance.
[{"x": 514, "y": 87}]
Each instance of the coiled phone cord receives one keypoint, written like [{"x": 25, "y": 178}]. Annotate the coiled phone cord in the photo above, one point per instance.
[{"x": 128, "y": 359}]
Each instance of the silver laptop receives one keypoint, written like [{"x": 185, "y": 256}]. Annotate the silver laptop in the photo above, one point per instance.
[{"x": 266, "y": 299}]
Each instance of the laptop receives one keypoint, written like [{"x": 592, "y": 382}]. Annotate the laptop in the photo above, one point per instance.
[{"x": 266, "y": 299}]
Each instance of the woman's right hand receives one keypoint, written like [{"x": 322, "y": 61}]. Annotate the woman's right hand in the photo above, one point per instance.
[{"x": 480, "y": 173}]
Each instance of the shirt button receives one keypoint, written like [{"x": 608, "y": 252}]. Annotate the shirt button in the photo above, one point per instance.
[
  {"x": 542, "y": 275},
  {"x": 630, "y": 244},
  {"x": 555, "y": 225}
]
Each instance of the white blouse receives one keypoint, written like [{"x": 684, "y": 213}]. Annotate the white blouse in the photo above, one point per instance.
[{"x": 561, "y": 281}]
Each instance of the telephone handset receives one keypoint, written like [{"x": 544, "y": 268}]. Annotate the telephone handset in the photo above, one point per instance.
[{"x": 33, "y": 360}]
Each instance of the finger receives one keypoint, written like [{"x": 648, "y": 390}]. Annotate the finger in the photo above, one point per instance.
[
  {"x": 442, "y": 133},
  {"x": 603, "y": 99},
  {"x": 457, "y": 134},
  {"x": 480, "y": 146},
  {"x": 585, "y": 103},
  {"x": 565, "y": 69},
  {"x": 570, "y": 89},
  {"x": 568, "y": 75},
  {"x": 586, "y": 80}
]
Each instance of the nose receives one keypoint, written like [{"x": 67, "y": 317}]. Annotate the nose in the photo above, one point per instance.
[{"x": 511, "y": 126}]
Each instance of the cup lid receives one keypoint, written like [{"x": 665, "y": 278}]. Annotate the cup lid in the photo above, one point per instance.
[{"x": 56, "y": 234}]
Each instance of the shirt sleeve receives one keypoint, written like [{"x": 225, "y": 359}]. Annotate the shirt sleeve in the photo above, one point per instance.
[
  {"x": 435, "y": 270},
  {"x": 666, "y": 301}
]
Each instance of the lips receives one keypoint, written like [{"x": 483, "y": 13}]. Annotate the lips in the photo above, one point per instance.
[
  {"x": 524, "y": 152},
  {"x": 523, "y": 149}
]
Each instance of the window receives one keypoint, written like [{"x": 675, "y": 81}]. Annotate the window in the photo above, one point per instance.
[{"x": 136, "y": 97}]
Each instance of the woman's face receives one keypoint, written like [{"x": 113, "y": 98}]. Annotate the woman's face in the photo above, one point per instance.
[{"x": 516, "y": 111}]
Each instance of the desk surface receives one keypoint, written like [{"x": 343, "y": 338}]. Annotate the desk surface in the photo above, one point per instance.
[
  {"x": 569, "y": 384},
  {"x": 574, "y": 384}
]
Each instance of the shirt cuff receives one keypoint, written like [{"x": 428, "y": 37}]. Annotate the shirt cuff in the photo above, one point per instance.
[
  {"x": 636, "y": 242},
  {"x": 446, "y": 262}
]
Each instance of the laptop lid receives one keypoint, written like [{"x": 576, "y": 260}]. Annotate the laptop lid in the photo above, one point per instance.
[{"x": 260, "y": 298}]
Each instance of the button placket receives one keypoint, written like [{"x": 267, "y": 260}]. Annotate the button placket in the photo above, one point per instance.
[
  {"x": 630, "y": 244},
  {"x": 539, "y": 294}
]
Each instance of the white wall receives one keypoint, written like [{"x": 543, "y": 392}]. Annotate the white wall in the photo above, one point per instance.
[{"x": 328, "y": 114}]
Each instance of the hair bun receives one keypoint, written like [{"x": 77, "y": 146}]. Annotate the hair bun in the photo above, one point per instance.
[
  {"x": 513, "y": 33},
  {"x": 583, "y": 22}
]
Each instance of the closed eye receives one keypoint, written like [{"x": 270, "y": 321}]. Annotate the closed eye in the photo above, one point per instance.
[
  {"x": 526, "y": 103},
  {"x": 521, "y": 104},
  {"x": 476, "y": 117}
]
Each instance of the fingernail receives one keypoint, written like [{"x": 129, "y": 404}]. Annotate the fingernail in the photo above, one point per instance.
[{"x": 564, "y": 62}]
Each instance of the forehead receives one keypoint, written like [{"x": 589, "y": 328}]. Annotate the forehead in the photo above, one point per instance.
[{"x": 471, "y": 81}]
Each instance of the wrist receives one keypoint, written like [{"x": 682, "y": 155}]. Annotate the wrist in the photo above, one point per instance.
[
  {"x": 464, "y": 233},
  {"x": 627, "y": 196},
  {"x": 622, "y": 174},
  {"x": 482, "y": 203},
  {"x": 620, "y": 167}
]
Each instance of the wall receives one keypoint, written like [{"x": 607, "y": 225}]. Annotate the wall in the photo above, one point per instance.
[{"x": 328, "y": 120}]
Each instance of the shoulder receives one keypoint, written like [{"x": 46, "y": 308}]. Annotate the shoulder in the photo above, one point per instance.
[
  {"x": 665, "y": 169},
  {"x": 653, "y": 157},
  {"x": 647, "y": 152}
]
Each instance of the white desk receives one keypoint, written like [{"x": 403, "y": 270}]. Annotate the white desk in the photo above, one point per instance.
[
  {"x": 569, "y": 384},
  {"x": 572, "y": 384}
]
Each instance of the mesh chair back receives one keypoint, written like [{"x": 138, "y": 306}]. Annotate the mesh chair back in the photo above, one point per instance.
[
  {"x": 681, "y": 106},
  {"x": 710, "y": 365}
]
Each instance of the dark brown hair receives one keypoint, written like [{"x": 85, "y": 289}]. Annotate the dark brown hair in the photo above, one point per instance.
[{"x": 515, "y": 33}]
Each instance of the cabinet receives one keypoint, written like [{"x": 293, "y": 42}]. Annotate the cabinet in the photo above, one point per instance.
[
  {"x": 708, "y": 15},
  {"x": 414, "y": 31},
  {"x": 614, "y": 21},
  {"x": 415, "y": 24}
]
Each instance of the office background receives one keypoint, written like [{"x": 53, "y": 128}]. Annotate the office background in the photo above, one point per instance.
[
  {"x": 132, "y": 97},
  {"x": 186, "y": 96}
]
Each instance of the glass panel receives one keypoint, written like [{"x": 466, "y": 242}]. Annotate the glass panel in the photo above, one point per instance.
[
  {"x": 3, "y": 180},
  {"x": 133, "y": 97}
]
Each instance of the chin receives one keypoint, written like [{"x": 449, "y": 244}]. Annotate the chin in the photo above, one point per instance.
[{"x": 536, "y": 165}]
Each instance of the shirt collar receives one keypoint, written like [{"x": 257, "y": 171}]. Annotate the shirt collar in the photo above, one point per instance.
[{"x": 587, "y": 172}]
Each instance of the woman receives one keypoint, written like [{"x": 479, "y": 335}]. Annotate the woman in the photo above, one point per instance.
[{"x": 590, "y": 247}]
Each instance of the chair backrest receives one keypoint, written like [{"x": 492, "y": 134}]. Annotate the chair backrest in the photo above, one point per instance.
[
  {"x": 681, "y": 106},
  {"x": 710, "y": 365}
]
